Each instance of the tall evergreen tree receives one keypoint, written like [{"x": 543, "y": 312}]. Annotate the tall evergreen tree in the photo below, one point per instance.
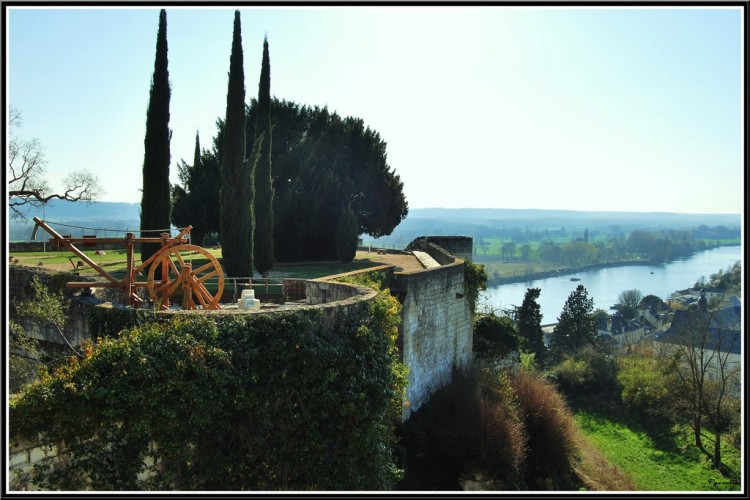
[
  {"x": 576, "y": 325},
  {"x": 155, "y": 201},
  {"x": 236, "y": 205},
  {"x": 187, "y": 206},
  {"x": 530, "y": 326},
  {"x": 263, "y": 244},
  {"x": 197, "y": 153}
]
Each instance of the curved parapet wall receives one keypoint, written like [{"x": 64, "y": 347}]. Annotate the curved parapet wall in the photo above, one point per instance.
[
  {"x": 457, "y": 246},
  {"x": 93, "y": 317}
]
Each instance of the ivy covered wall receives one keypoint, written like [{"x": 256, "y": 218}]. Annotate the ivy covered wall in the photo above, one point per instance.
[{"x": 298, "y": 400}]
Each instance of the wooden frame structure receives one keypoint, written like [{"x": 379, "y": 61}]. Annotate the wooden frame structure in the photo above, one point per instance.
[{"x": 169, "y": 273}]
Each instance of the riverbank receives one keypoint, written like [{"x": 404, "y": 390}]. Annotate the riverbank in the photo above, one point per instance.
[{"x": 495, "y": 280}]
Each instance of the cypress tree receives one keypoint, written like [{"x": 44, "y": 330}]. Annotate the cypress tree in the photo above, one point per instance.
[
  {"x": 200, "y": 223},
  {"x": 197, "y": 154},
  {"x": 530, "y": 326},
  {"x": 236, "y": 196},
  {"x": 263, "y": 244},
  {"x": 156, "y": 199}
]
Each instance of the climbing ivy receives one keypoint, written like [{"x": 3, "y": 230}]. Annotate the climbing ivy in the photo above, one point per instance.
[
  {"x": 475, "y": 281},
  {"x": 110, "y": 321},
  {"x": 294, "y": 400}
]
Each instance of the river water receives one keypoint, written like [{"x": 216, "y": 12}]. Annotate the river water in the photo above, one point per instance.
[{"x": 605, "y": 285}]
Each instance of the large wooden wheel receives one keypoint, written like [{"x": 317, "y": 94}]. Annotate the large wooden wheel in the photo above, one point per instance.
[{"x": 171, "y": 275}]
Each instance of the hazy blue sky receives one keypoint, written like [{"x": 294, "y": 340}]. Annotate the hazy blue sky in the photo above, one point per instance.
[{"x": 626, "y": 109}]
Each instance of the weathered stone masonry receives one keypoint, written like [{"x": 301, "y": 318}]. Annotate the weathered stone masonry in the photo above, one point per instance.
[{"x": 436, "y": 329}]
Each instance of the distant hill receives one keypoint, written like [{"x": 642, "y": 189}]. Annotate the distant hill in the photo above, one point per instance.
[
  {"x": 571, "y": 216},
  {"x": 420, "y": 221},
  {"x": 104, "y": 215},
  {"x": 507, "y": 223}
]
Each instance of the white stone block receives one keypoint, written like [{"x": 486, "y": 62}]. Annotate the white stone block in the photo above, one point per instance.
[
  {"x": 18, "y": 459},
  {"x": 37, "y": 455}
]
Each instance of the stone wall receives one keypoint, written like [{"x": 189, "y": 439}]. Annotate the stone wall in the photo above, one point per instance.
[
  {"x": 324, "y": 290},
  {"x": 295, "y": 290},
  {"x": 458, "y": 246},
  {"x": 22, "y": 456},
  {"x": 76, "y": 328},
  {"x": 19, "y": 280},
  {"x": 436, "y": 328},
  {"x": 321, "y": 293}
]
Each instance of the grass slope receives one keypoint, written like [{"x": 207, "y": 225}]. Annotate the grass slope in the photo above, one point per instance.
[{"x": 664, "y": 462}]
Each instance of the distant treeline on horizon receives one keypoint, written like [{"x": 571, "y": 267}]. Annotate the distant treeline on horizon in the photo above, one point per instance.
[{"x": 486, "y": 222}]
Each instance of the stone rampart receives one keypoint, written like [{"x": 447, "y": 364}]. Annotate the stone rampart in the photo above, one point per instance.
[
  {"x": 458, "y": 246},
  {"x": 436, "y": 335}
]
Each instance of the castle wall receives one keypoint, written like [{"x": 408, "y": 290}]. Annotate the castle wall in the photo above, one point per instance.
[
  {"x": 436, "y": 328},
  {"x": 459, "y": 246}
]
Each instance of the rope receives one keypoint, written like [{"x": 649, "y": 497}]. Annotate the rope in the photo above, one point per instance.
[{"x": 113, "y": 230}]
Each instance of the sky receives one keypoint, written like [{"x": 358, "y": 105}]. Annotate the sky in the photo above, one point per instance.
[{"x": 573, "y": 108}]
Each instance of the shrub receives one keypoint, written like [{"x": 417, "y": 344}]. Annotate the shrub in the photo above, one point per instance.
[
  {"x": 642, "y": 381},
  {"x": 494, "y": 336},
  {"x": 515, "y": 429},
  {"x": 528, "y": 361},
  {"x": 586, "y": 370},
  {"x": 549, "y": 426},
  {"x": 469, "y": 424}
]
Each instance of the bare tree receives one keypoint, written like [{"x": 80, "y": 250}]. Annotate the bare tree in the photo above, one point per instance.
[
  {"x": 719, "y": 406},
  {"x": 631, "y": 298},
  {"x": 702, "y": 348},
  {"x": 26, "y": 181}
]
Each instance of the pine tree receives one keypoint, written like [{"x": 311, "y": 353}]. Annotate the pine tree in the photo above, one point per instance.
[
  {"x": 263, "y": 244},
  {"x": 530, "y": 326},
  {"x": 576, "y": 325},
  {"x": 236, "y": 205},
  {"x": 156, "y": 199}
]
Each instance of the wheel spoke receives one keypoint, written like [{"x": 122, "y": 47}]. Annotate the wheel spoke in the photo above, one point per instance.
[
  {"x": 208, "y": 265},
  {"x": 173, "y": 286},
  {"x": 163, "y": 286},
  {"x": 207, "y": 276},
  {"x": 198, "y": 291},
  {"x": 176, "y": 257},
  {"x": 174, "y": 268}
]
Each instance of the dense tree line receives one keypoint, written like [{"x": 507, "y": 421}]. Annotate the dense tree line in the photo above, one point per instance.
[
  {"x": 653, "y": 246},
  {"x": 325, "y": 169},
  {"x": 322, "y": 165},
  {"x": 729, "y": 280}
]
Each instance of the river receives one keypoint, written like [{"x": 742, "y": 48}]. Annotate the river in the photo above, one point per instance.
[{"x": 605, "y": 285}]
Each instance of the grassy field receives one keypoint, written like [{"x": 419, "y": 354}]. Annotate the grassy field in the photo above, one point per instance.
[
  {"x": 512, "y": 269},
  {"x": 114, "y": 262},
  {"x": 667, "y": 462}
]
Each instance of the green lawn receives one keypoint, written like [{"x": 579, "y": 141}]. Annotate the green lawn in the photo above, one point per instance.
[
  {"x": 671, "y": 464},
  {"x": 114, "y": 262}
]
